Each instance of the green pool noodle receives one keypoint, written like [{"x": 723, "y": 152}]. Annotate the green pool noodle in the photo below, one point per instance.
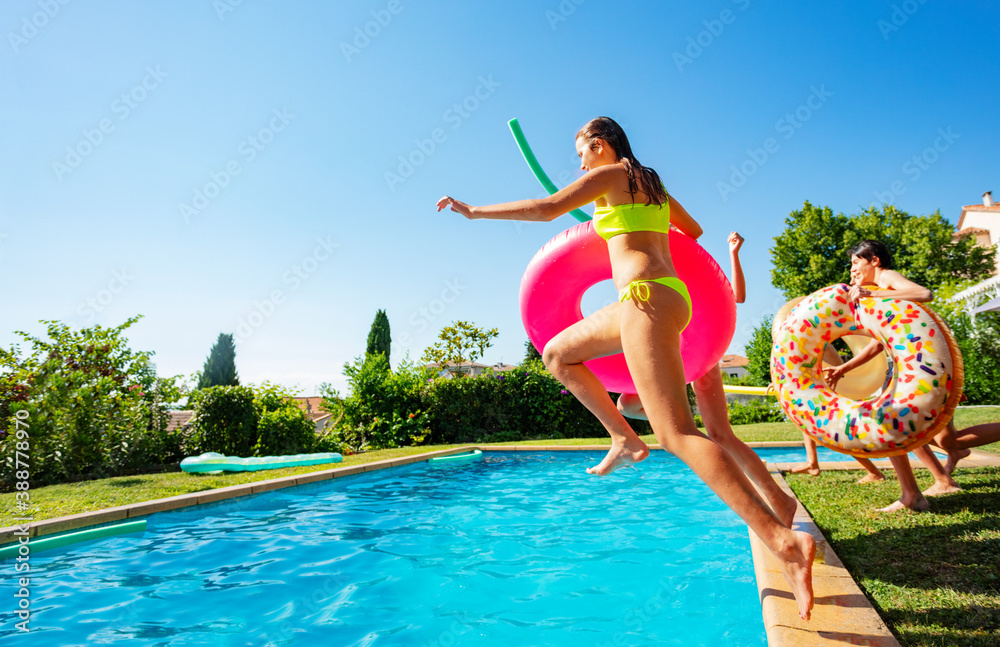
[
  {"x": 48, "y": 543},
  {"x": 454, "y": 458},
  {"x": 536, "y": 168}
]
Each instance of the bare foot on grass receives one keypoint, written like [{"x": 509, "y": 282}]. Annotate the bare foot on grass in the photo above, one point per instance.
[
  {"x": 796, "y": 566},
  {"x": 954, "y": 457},
  {"x": 806, "y": 468},
  {"x": 620, "y": 455},
  {"x": 942, "y": 488},
  {"x": 919, "y": 505},
  {"x": 871, "y": 478}
]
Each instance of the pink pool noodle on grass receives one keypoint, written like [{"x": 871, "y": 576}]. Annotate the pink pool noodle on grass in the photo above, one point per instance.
[{"x": 568, "y": 265}]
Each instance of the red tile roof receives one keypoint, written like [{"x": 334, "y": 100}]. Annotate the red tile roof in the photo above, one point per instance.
[{"x": 730, "y": 361}]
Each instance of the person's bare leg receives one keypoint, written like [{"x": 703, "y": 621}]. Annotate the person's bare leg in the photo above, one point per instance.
[
  {"x": 651, "y": 342},
  {"x": 811, "y": 466},
  {"x": 963, "y": 441},
  {"x": 911, "y": 497},
  {"x": 715, "y": 414},
  {"x": 943, "y": 483},
  {"x": 874, "y": 474},
  {"x": 596, "y": 336},
  {"x": 947, "y": 440}
]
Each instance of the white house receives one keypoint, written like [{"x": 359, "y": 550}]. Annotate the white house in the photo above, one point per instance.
[
  {"x": 983, "y": 222},
  {"x": 733, "y": 365}
]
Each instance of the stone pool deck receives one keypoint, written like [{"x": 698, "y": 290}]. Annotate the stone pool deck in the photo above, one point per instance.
[{"x": 842, "y": 614}]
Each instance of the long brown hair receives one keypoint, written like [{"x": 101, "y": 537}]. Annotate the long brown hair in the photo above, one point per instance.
[{"x": 640, "y": 178}]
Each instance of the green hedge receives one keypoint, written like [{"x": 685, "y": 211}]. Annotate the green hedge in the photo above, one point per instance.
[{"x": 412, "y": 406}]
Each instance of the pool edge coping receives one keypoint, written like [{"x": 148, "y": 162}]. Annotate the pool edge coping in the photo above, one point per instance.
[{"x": 842, "y": 614}]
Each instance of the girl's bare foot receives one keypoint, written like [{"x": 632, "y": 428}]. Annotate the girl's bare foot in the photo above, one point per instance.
[
  {"x": 806, "y": 468},
  {"x": 942, "y": 488},
  {"x": 954, "y": 457},
  {"x": 871, "y": 478},
  {"x": 620, "y": 455},
  {"x": 918, "y": 505},
  {"x": 796, "y": 566}
]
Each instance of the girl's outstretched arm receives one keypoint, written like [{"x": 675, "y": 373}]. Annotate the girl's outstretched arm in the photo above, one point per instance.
[
  {"x": 588, "y": 188},
  {"x": 739, "y": 284}
]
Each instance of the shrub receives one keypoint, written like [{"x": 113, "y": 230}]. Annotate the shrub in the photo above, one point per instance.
[
  {"x": 225, "y": 421},
  {"x": 95, "y": 408},
  {"x": 384, "y": 409},
  {"x": 755, "y": 411},
  {"x": 287, "y": 430}
]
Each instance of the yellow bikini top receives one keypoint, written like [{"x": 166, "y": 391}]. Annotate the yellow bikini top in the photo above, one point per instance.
[{"x": 627, "y": 218}]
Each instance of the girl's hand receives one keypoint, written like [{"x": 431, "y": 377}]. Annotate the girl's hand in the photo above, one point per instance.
[
  {"x": 858, "y": 292},
  {"x": 735, "y": 242},
  {"x": 456, "y": 206},
  {"x": 832, "y": 375}
]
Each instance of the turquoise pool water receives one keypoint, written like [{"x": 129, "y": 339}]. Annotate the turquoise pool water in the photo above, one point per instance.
[
  {"x": 514, "y": 549},
  {"x": 798, "y": 455}
]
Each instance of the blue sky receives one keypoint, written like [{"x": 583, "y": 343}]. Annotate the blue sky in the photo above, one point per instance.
[{"x": 235, "y": 166}]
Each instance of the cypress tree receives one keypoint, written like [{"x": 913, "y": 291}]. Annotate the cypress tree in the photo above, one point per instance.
[
  {"x": 378, "y": 336},
  {"x": 220, "y": 367}
]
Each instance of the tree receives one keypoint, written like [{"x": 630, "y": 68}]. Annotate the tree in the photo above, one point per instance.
[
  {"x": 220, "y": 367},
  {"x": 811, "y": 253},
  {"x": 758, "y": 352},
  {"x": 459, "y": 343},
  {"x": 530, "y": 352},
  {"x": 378, "y": 337}
]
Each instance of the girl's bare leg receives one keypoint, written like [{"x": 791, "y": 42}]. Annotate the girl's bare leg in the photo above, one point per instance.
[
  {"x": 943, "y": 483},
  {"x": 596, "y": 336},
  {"x": 911, "y": 497},
  {"x": 811, "y": 466},
  {"x": 650, "y": 334},
  {"x": 714, "y": 412},
  {"x": 874, "y": 474},
  {"x": 958, "y": 443}
]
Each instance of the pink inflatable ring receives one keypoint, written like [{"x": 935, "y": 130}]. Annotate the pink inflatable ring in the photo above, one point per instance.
[{"x": 568, "y": 265}]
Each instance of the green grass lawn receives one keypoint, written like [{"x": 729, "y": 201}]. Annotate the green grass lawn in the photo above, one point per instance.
[{"x": 934, "y": 577}]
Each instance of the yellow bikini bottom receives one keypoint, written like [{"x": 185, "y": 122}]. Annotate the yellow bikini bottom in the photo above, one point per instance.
[{"x": 639, "y": 291}]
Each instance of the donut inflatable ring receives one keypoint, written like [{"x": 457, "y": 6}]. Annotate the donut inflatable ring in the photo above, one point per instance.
[
  {"x": 920, "y": 399},
  {"x": 861, "y": 382},
  {"x": 565, "y": 267}
]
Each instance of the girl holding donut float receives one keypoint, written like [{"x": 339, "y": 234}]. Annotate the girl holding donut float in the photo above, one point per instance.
[
  {"x": 634, "y": 214},
  {"x": 922, "y": 386}
]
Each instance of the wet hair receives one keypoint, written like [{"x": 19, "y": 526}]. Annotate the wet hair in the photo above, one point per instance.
[
  {"x": 640, "y": 178},
  {"x": 872, "y": 249}
]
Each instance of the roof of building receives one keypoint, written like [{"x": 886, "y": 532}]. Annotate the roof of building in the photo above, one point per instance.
[
  {"x": 732, "y": 361},
  {"x": 975, "y": 207},
  {"x": 313, "y": 406},
  {"x": 179, "y": 419}
]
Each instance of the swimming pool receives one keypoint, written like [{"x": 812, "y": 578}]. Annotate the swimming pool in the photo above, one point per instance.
[
  {"x": 518, "y": 548},
  {"x": 825, "y": 455}
]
